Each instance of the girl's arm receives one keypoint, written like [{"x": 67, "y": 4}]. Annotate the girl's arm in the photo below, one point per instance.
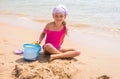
[
  {"x": 42, "y": 35},
  {"x": 62, "y": 39}
]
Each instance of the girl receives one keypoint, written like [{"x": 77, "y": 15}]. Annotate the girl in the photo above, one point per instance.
[{"x": 55, "y": 32}]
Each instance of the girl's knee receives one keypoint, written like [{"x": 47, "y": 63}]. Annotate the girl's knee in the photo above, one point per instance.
[{"x": 47, "y": 46}]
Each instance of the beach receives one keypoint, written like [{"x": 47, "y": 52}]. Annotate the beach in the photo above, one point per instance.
[{"x": 99, "y": 58}]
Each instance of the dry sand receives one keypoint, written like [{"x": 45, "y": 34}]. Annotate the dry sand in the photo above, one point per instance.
[{"x": 91, "y": 64}]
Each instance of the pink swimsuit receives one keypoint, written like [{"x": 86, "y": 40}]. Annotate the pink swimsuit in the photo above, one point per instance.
[{"x": 55, "y": 37}]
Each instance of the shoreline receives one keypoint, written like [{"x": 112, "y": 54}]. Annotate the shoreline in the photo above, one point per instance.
[
  {"x": 91, "y": 63},
  {"x": 70, "y": 23}
]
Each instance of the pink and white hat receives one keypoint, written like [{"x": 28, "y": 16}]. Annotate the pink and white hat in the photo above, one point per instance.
[{"x": 60, "y": 9}]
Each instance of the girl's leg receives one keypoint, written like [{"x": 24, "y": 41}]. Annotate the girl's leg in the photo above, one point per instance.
[
  {"x": 51, "y": 49},
  {"x": 68, "y": 53},
  {"x": 66, "y": 49}
]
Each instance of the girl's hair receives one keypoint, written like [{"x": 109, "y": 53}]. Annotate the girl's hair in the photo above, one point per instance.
[{"x": 64, "y": 24}]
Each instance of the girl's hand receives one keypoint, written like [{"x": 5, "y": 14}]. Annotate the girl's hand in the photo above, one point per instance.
[{"x": 38, "y": 42}]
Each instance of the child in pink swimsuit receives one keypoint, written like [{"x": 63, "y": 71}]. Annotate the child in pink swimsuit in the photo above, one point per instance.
[{"x": 55, "y": 32}]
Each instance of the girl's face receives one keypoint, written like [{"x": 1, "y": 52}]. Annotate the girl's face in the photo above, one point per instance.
[{"x": 59, "y": 17}]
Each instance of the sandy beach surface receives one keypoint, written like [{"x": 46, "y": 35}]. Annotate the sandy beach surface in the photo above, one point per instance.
[{"x": 93, "y": 63}]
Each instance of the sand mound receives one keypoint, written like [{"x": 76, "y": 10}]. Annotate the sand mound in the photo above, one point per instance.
[{"x": 57, "y": 69}]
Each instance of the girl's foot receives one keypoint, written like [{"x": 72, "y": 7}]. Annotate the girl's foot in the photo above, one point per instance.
[{"x": 51, "y": 58}]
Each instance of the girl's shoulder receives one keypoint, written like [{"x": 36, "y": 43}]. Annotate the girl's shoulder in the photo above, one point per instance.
[{"x": 49, "y": 25}]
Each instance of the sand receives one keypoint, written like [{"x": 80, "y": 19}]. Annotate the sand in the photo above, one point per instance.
[
  {"x": 58, "y": 69},
  {"x": 93, "y": 63}
]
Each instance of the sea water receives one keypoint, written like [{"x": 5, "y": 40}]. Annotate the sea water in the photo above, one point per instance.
[{"x": 104, "y": 13}]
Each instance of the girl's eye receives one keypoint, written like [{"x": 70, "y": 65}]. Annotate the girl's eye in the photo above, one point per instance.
[
  {"x": 56, "y": 16},
  {"x": 61, "y": 16}
]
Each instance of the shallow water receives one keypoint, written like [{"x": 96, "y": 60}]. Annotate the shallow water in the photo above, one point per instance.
[{"x": 95, "y": 12}]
